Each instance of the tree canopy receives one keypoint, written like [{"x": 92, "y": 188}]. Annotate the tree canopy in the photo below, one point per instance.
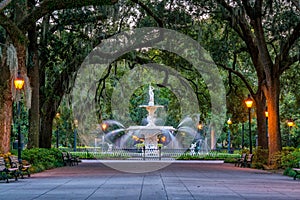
[{"x": 255, "y": 44}]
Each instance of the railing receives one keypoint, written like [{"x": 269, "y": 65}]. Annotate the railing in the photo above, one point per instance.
[
  {"x": 134, "y": 153},
  {"x": 142, "y": 153}
]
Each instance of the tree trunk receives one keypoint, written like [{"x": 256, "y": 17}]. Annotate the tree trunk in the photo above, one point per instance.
[
  {"x": 33, "y": 73},
  {"x": 47, "y": 116},
  {"x": 46, "y": 132},
  {"x": 272, "y": 95},
  {"x": 5, "y": 107},
  {"x": 261, "y": 120},
  {"x": 5, "y": 122}
]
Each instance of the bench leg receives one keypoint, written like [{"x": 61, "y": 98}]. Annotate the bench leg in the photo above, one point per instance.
[
  {"x": 295, "y": 176},
  {"x": 15, "y": 174},
  {"x": 4, "y": 176}
]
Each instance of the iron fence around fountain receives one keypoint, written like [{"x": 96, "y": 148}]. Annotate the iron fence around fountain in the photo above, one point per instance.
[{"x": 126, "y": 153}]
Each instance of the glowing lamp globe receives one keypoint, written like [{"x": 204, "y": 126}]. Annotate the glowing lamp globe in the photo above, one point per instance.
[
  {"x": 249, "y": 102},
  {"x": 229, "y": 122},
  {"x": 290, "y": 122},
  {"x": 104, "y": 126},
  {"x": 19, "y": 82},
  {"x": 200, "y": 126},
  {"x": 267, "y": 113}
]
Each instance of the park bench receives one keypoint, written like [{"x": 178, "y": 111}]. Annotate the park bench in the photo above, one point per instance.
[
  {"x": 7, "y": 171},
  {"x": 248, "y": 161},
  {"x": 74, "y": 159},
  {"x": 23, "y": 166},
  {"x": 240, "y": 161},
  {"x": 297, "y": 171},
  {"x": 66, "y": 159},
  {"x": 245, "y": 160},
  {"x": 70, "y": 160}
]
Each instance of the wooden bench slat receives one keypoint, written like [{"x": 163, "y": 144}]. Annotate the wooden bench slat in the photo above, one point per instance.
[{"x": 6, "y": 172}]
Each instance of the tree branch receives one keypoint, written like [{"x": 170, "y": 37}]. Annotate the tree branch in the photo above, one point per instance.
[
  {"x": 16, "y": 35},
  {"x": 296, "y": 3},
  {"x": 4, "y": 3},
  {"x": 48, "y": 6},
  {"x": 242, "y": 27},
  {"x": 283, "y": 55},
  {"x": 240, "y": 75},
  {"x": 149, "y": 11},
  {"x": 290, "y": 61}
]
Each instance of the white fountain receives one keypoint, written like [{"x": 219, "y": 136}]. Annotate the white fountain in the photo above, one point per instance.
[{"x": 151, "y": 131}]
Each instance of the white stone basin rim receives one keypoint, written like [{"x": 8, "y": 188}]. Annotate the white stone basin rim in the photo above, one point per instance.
[
  {"x": 157, "y": 106},
  {"x": 154, "y": 128}
]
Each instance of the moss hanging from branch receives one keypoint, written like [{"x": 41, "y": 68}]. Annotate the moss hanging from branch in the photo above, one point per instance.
[{"x": 12, "y": 63}]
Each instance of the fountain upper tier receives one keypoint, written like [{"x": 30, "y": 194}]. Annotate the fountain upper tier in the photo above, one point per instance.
[
  {"x": 150, "y": 129},
  {"x": 151, "y": 116}
]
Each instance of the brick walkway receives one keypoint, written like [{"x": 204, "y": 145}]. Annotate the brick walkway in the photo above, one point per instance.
[{"x": 183, "y": 180}]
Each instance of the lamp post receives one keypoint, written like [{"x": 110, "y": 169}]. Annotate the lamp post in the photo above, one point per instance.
[
  {"x": 75, "y": 133},
  {"x": 290, "y": 123},
  {"x": 19, "y": 83},
  {"x": 229, "y": 122},
  {"x": 199, "y": 137},
  {"x": 57, "y": 132},
  {"x": 243, "y": 138},
  {"x": 249, "y": 103},
  {"x": 104, "y": 127},
  {"x": 200, "y": 128},
  {"x": 267, "y": 116}
]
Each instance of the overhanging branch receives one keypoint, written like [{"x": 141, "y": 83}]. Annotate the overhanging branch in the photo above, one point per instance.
[
  {"x": 4, "y": 3},
  {"x": 48, "y": 6},
  {"x": 149, "y": 11},
  {"x": 16, "y": 35},
  {"x": 283, "y": 55},
  {"x": 240, "y": 75}
]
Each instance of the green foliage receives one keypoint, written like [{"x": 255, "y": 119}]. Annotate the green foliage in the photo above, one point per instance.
[
  {"x": 42, "y": 159},
  {"x": 23, "y": 121},
  {"x": 140, "y": 145},
  {"x": 64, "y": 125},
  {"x": 83, "y": 155},
  {"x": 210, "y": 156},
  {"x": 289, "y": 172},
  {"x": 290, "y": 107},
  {"x": 260, "y": 158},
  {"x": 289, "y": 161}
]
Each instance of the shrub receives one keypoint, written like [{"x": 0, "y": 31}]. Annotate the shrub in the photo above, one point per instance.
[
  {"x": 42, "y": 159},
  {"x": 260, "y": 158},
  {"x": 83, "y": 155},
  {"x": 290, "y": 161},
  {"x": 210, "y": 156}
]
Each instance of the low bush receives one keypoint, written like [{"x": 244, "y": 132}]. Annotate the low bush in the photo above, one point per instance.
[
  {"x": 42, "y": 159},
  {"x": 83, "y": 155},
  {"x": 260, "y": 158},
  {"x": 210, "y": 156},
  {"x": 289, "y": 161}
]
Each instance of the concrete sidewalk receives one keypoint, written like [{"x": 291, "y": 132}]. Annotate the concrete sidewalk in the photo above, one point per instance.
[{"x": 179, "y": 180}]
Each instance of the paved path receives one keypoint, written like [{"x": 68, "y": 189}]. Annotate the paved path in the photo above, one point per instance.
[{"x": 176, "y": 181}]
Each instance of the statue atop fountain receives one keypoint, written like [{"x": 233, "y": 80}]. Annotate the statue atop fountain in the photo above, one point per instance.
[
  {"x": 151, "y": 96},
  {"x": 151, "y": 108}
]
